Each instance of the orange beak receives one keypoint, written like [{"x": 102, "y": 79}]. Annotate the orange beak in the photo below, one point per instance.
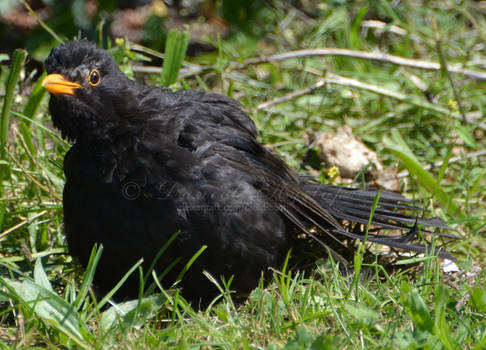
[{"x": 57, "y": 84}]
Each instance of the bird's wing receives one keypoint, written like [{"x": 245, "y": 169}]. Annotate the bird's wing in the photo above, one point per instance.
[{"x": 220, "y": 143}]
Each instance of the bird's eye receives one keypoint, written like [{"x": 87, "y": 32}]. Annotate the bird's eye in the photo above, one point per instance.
[{"x": 94, "y": 77}]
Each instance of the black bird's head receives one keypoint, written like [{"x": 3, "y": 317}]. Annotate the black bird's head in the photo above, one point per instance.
[{"x": 89, "y": 93}]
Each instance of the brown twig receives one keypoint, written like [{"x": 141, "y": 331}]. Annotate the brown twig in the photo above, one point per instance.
[
  {"x": 22, "y": 223},
  {"x": 292, "y": 95},
  {"x": 375, "y": 56}
]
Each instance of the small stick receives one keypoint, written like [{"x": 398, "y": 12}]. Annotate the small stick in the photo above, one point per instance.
[
  {"x": 22, "y": 223},
  {"x": 292, "y": 95},
  {"x": 376, "y": 56}
]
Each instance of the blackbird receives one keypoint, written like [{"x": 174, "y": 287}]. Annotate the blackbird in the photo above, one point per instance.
[{"x": 147, "y": 163}]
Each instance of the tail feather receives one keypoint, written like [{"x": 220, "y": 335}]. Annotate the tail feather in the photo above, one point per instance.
[
  {"x": 382, "y": 217},
  {"x": 402, "y": 243},
  {"x": 354, "y": 205}
]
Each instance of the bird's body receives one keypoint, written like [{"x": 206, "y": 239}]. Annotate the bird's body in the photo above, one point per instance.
[
  {"x": 135, "y": 198},
  {"x": 147, "y": 163}
]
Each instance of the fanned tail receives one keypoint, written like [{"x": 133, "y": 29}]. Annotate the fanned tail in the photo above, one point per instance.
[{"x": 354, "y": 205}]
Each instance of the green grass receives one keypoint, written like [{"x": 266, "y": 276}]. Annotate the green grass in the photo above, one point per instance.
[{"x": 46, "y": 300}]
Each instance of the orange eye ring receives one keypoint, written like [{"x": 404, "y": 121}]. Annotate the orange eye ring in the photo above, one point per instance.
[{"x": 94, "y": 77}]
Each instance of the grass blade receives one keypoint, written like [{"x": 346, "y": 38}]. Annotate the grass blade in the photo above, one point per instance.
[
  {"x": 30, "y": 109},
  {"x": 18, "y": 59},
  {"x": 175, "y": 51},
  {"x": 50, "y": 307},
  {"x": 17, "y": 62},
  {"x": 40, "y": 276},
  {"x": 416, "y": 308},
  {"x": 441, "y": 328},
  {"x": 117, "y": 286},
  {"x": 158, "y": 255},
  {"x": 88, "y": 275},
  {"x": 398, "y": 147},
  {"x": 190, "y": 262}
]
